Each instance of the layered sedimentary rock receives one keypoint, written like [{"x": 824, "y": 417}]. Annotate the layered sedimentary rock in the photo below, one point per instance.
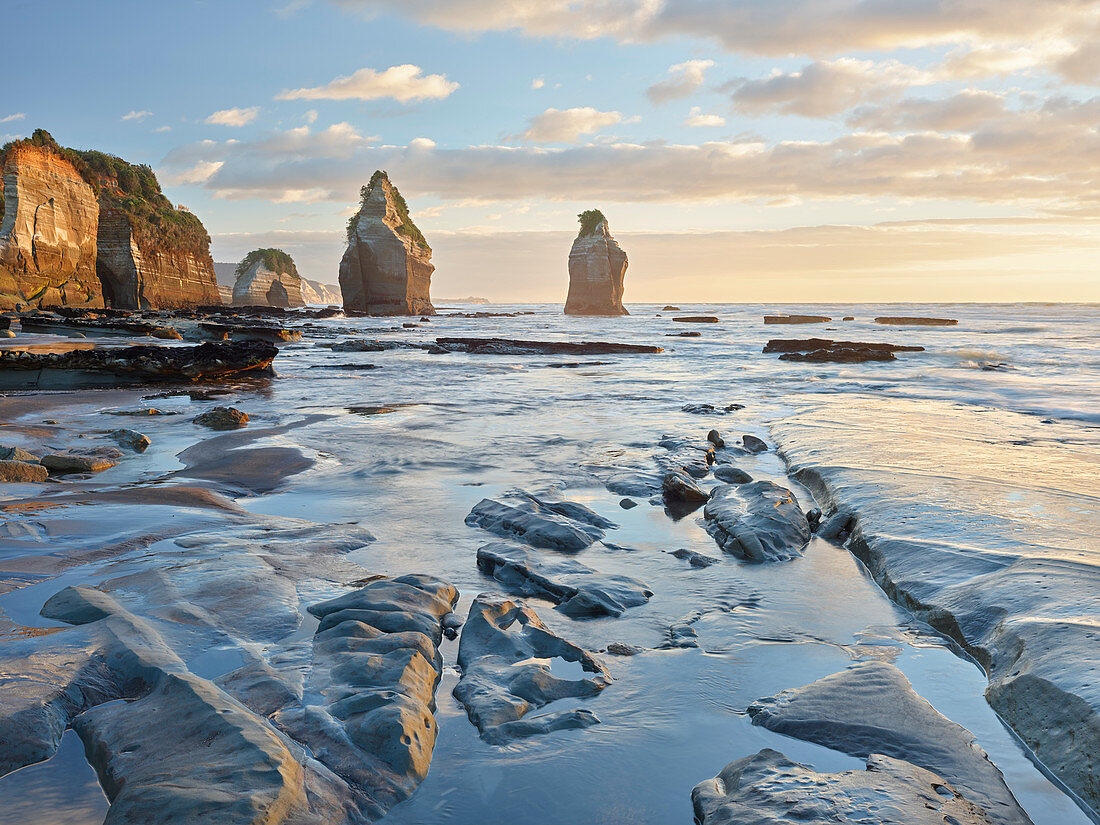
[
  {"x": 268, "y": 280},
  {"x": 315, "y": 292},
  {"x": 387, "y": 268},
  {"x": 151, "y": 277},
  {"x": 597, "y": 266},
  {"x": 48, "y": 233}
]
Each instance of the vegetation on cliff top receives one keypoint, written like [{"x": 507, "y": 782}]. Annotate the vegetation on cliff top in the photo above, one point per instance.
[
  {"x": 590, "y": 219},
  {"x": 131, "y": 192},
  {"x": 407, "y": 227},
  {"x": 274, "y": 260}
]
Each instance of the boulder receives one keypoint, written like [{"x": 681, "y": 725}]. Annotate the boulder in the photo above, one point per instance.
[
  {"x": 872, "y": 709},
  {"x": 48, "y": 229},
  {"x": 597, "y": 267},
  {"x": 759, "y": 521},
  {"x": 131, "y": 439},
  {"x": 88, "y": 461},
  {"x": 769, "y": 789},
  {"x": 267, "y": 277},
  {"x": 16, "y": 454},
  {"x": 564, "y": 526},
  {"x": 731, "y": 475},
  {"x": 504, "y": 677},
  {"x": 386, "y": 269},
  {"x": 223, "y": 418},
  {"x": 23, "y": 472}
]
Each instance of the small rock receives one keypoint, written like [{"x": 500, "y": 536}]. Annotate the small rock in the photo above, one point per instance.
[
  {"x": 680, "y": 487},
  {"x": 22, "y": 472},
  {"x": 693, "y": 558},
  {"x": 77, "y": 462},
  {"x": 6, "y": 333},
  {"x": 731, "y": 475},
  {"x": 753, "y": 444},
  {"x": 222, "y": 418},
  {"x": 131, "y": 439},
  {"x": 716, "y": 439},
  {"x": 814, "y": 517},
  {"x": 620, "y": 649},
  {"x": 628, "y": 504}
]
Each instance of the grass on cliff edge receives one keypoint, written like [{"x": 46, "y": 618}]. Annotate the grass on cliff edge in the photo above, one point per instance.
[
  {"x": 407, "y": 227},
  {"x": 590, "y": 219},
  {"x": 128, "y": 191},
  {"x": 273, "y": 259}
]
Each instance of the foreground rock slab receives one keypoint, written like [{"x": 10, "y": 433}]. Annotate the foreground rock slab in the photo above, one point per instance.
[
  {"x": 555, "y": 525},
  {"x": 758, "y": 521},
  {"x": 769, "y": 789},
  {"x": 132, "y": 365},
  {"x": 503, "y": 655},
  {"x": 872, "y": 709}
]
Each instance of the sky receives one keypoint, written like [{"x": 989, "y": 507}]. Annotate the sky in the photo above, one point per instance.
[{"x": 742, "y": 150}]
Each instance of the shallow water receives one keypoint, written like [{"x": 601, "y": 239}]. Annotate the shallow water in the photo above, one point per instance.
[{"x": 999, "y": 459}]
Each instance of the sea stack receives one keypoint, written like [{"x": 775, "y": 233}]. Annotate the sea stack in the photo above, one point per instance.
[
  {"x": 268, "y": 277},
  {"x": 597, "y": 266},
  {"x": 386, "y": 269},
  {"x": 48, "y": 223}
]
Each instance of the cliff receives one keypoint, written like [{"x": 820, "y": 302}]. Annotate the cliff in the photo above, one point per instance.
[
  {"x": 267, "y": 277},
  {"x": 152, "y": 255},
  {"x": 47, "y": 231},
  {"x": 386, "y": 269},
  {"x": 315, "y": 292},
  {"x": 597, "y": 267}
]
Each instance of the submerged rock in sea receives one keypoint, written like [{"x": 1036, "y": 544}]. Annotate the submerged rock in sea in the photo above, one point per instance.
[
  {"x": 824, "y": 350},
  {"x": 697, "y": 319},
  {"x": 577, "y": 589},
  {"x": 386, "y": 269},
  {"x": 759, "y": 521},
  {"x": 796, "y": 319},
  {"x": 597, "y": 268},
  {"x": 223, "y": 418},
  {"x": 504, "y": 677},
  {"x": 911, "y": 321},
  {"x": 769, "y": 789},
  {"x": 509, "y": 346},
  {"x": 556, "y": 525},
  {"x": 132, "y": 365},
  {"x": 872, "y": 709}
]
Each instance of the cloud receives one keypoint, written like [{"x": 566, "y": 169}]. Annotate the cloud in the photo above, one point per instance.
[
  {"x": 13, "y": 118},
  {"x": 963, "y": 112},
  {"x": 684, "y": 79},
  {"x": 538, "y": 83},
  {"x": 403, "y": 83},
  {"x": 825, "y": 88},
  {"x": 138, "y": 116},
  {"x": 567, "y": 125},
  {"x": 201, "y": 172},
  {"x": 697, "y": 119},
  {"x": 162, "y": 129},
  {"x": 310, "y": 116},
  {"x": 1046, "y": 157},
  {"x": 233, "y": 117}
]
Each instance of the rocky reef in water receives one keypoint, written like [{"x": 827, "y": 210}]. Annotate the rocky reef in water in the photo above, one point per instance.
[
  {"x": 597, "y": 266},
  {"x": 387, "y": 268},
  {"x": 267, "y": 277},
  {"x": 85, "y": 228},
  {"x": 48, "y": 231}
]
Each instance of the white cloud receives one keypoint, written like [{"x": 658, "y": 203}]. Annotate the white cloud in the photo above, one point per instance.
[
  {"x": 538, "y": 83},
  {"x": 964, "y": 112},
  {"x": 201, "y": 172},
  {"x": 683, "y": 80},
  {"x": 162, "y": 129},
  {"x": 13, "y": 118},
  {"x": 138, "y": 116},
  {"x": 234, "y": 117},
  {"x": 403, "y": 83},
  {"x": 567, "y": 125},
  {"x": 698, "y": 119}
]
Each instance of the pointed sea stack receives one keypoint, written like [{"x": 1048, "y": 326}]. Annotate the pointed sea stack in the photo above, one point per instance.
[
  {"x": 48, "y": 222},
  {"x": 268, "y": 277},
  {"x": 387, "y": 268},
  {"x": 597, "y": 266}
]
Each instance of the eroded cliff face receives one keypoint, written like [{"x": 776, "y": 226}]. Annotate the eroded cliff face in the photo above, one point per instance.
[
  {"x": 386, "y": 269},
  {"x": 153, "y": 278},
  {"x": 597, "y": 267},
  {"x": 315, "y": 292},
  {"x": 48, "y": 234},
  {"x": 260, "y": 286}
]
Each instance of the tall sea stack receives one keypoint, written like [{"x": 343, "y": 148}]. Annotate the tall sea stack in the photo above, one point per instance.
[
  {"x": 268, "y": 277},
  {"x": 386, "y": 269},
  {"x": 48, "y": 222},
  {"x": 597, "y": 266}
]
